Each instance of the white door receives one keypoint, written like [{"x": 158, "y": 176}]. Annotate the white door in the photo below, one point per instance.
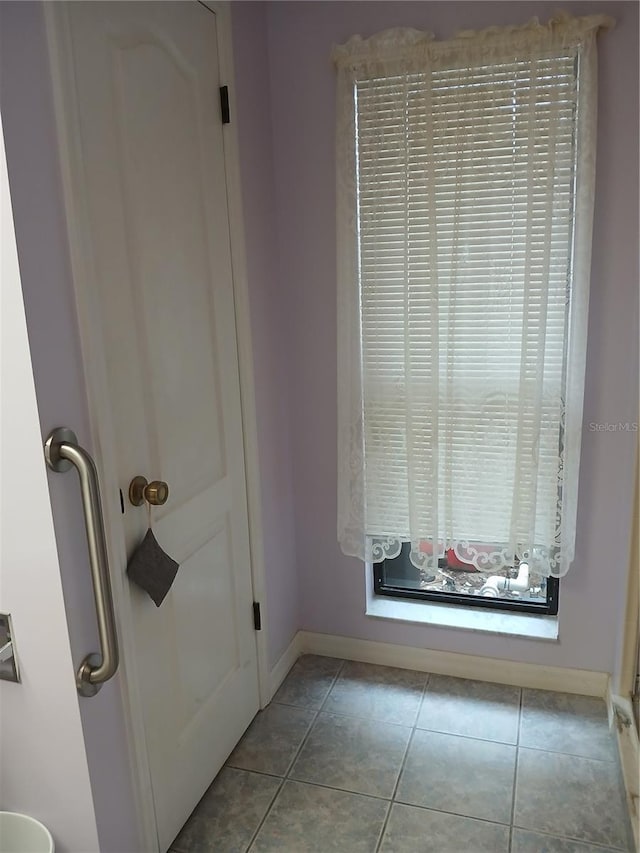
[{"x": 147, "y": 90}]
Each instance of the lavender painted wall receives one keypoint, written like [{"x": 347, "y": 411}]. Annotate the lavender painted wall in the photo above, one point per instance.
[
  {"x": 303, "y": 105},
  {"x": 269, "y": 327},
  {"x": 287, "y": 154}
]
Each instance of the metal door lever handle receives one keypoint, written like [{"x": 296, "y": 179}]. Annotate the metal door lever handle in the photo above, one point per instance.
[{"x": 62, "y": 451}]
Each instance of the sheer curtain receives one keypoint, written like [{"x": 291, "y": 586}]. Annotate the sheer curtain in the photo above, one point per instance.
[{"x": 465, "y": 203}]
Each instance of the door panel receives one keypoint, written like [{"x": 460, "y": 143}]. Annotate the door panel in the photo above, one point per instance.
[
  {"x": 168, "y": 209},
  {"x": 147, "y": 81}
]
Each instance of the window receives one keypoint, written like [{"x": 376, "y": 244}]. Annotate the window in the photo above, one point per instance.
[
  {"x": 457, "y": 582},
  {"x": 465, "y": 199}
]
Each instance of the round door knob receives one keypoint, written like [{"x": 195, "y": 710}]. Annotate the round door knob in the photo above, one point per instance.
[{"x": 155, "y": 493}]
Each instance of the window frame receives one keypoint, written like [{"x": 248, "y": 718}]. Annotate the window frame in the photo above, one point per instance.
[{"x": 546, "y": 608}]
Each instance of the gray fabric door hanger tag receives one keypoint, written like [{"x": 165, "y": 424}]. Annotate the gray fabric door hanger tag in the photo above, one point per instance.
[{"x": 152, "y": 569}]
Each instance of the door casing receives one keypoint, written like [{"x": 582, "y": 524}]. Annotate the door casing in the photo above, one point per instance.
[{"x": 95, "y": 376}]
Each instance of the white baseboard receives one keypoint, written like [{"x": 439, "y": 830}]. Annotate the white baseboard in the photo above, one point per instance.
[
  {"x": 284, "y": 664},
  {"x": 581, "y": 681},
  {"x": 621, "y": 715}
]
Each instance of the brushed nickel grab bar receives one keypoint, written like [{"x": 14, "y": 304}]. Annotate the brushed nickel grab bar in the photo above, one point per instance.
[{"x": 62, "y": 451}]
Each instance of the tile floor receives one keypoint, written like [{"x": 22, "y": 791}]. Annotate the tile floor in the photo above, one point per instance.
[{"x": 356, "y": 758}]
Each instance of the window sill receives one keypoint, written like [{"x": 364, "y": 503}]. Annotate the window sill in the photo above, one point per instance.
[{"x": 527, "y": 625}]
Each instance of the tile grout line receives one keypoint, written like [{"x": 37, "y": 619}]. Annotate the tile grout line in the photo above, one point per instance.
[
  {"x": 312, "y": 723},
  {"x": 468, "y": 737},
  {"x": 569, "y": 755},
  {"x": 302, "y": 743},
  {"x": 264, "y": 817},
  {"x": 595, "y": 844},
  {"x": 403, "y": 763},
  {"x": 385, "y": 822},
  {"x": 383, "y": 828},
  {"x": 440, "y": 810},
  {"x": 284, "y": 778},
  {"x": 332, "y": 685},
  {"x": 414, "y": 728},
  {"x": 515, "y": 769},
  {"x": 422, "y": 698},
  {"x": 327, "y": 787}
]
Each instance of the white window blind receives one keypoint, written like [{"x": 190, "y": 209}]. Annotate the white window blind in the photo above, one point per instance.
[{"x": 465, "y": 189}]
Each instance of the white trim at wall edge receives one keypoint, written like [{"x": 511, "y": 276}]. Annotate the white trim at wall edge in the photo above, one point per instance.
[
  {"x": 585, "y": 682},
  {"x": 621, "y": 718},
  {"x": 284, "y": 663}
]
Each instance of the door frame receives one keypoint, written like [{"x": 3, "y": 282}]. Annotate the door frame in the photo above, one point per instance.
[
  {"x": 626, "y": 678},
  {"x": 102, "y": 430}
]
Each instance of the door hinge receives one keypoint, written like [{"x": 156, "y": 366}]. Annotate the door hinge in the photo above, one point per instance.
[
  {"x": 257, "y": 619},
  {"x": 224, "y": 104}
]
